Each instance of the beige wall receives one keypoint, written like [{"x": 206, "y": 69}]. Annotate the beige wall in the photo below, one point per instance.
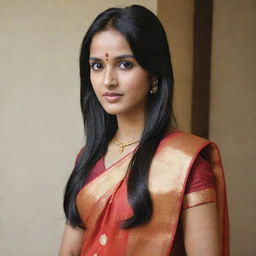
[
  {"x": 233, "y": 115},
  {"x": 41, "y": 126}
]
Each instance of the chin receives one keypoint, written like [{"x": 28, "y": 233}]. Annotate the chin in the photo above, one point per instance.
[
  {"x": 114, "y": 111},
  {"x": 111, "y": 111}
]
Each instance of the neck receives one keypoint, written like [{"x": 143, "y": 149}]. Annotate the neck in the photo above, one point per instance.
[{"x": 129, "y": 128}]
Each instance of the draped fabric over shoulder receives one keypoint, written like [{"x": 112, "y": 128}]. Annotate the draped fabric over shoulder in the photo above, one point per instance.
[{"x": 102, "y": 203}]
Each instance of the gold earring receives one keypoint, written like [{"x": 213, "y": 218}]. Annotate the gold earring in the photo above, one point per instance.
[{"x": 154, "y": 88}]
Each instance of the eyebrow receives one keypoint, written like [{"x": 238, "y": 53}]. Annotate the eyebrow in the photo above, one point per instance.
[{"x": 124, "y": 56}]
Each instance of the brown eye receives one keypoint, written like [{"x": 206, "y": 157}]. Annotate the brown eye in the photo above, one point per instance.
[
  {"x": 96, "y": 66},
  {"x": 125, "y": 65}
]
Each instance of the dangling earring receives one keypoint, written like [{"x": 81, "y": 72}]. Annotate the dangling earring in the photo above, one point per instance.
[{"x": 154, "y": 87}]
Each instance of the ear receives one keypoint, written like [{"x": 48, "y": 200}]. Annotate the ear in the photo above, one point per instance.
[{"x": 152, "y": 78}]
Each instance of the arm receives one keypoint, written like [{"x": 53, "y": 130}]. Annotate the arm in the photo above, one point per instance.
[
  {"x": 71, "y": 241},
  {"x": 201, "y": 230}
]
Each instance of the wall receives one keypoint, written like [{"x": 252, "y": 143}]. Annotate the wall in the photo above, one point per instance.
[
  {"x": 233, "y": 115},
  {"x": 41, "y": 126}
]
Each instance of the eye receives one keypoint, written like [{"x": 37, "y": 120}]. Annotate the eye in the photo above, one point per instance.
[
  {"x": 125, "y": 65},
  {"x": 96, "y": 66}
]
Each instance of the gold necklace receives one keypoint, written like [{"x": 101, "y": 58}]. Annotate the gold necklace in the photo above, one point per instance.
[{"x": 122, "y": 145}]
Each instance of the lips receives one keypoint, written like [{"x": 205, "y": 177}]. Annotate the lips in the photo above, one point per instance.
[
  {"x": 112, "y": 94},
  {"x": 112, "y": 97}
]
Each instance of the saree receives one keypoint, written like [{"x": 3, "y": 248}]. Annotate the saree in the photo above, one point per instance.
[{"x": 102, "y": 203}]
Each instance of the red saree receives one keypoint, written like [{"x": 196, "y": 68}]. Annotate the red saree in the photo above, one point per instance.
[{"x": 102, "y": 203}]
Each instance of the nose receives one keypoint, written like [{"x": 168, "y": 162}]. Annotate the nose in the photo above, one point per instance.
[{"x": 109, "y": 78}]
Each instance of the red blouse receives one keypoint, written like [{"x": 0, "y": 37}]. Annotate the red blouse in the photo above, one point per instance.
[{"x": 200, "y": 176}]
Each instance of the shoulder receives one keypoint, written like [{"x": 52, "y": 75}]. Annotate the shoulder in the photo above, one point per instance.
[
  {"x": 183, "y": 136},
  {"x": 187, "y": 147},
  {"x": 186, "y": 142}
]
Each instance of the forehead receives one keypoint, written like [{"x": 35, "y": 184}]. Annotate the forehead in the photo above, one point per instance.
[{"x": 109, "y": 41}]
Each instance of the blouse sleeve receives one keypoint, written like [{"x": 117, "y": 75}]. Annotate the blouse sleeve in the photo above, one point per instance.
[{"x": 201, "y": 186}]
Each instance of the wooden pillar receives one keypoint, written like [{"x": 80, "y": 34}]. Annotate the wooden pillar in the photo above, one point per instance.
[{"x": 201, "y": 67}]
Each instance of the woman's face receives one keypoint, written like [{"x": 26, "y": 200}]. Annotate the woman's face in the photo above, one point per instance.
[{"x": 119, "y": 82}]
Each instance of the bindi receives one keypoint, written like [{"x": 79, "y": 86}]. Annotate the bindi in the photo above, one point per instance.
[{"x": 106, "y": 55}]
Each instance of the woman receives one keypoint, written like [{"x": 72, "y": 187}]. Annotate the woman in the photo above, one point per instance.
[{"x": 139, "y": 186}]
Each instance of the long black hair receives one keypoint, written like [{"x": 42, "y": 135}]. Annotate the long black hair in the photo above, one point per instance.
[{"x": 147, "y": 39}]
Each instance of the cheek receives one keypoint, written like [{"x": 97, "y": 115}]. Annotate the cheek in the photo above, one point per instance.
[
  {"x": 93, "y": 79},
  {"x": 96, "y": 84},
  {"x": 137, "y": 81}
]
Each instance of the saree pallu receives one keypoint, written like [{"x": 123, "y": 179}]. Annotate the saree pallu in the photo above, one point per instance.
[{"x": 103, "y": 204}]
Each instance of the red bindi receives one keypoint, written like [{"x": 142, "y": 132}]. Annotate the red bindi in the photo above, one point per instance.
[{"x": 106, "y": 55}]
